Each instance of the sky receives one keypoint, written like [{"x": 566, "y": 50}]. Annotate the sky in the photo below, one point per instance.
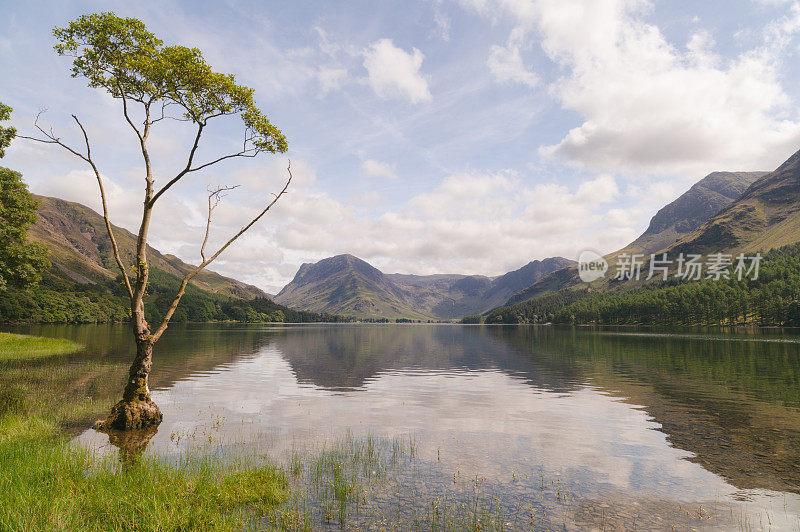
[{"x": 430, "y": 136}]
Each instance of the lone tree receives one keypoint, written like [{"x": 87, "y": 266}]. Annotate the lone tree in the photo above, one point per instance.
[
  {"x": 154, "y": 83},
  {"x": 21, "y": 262}
]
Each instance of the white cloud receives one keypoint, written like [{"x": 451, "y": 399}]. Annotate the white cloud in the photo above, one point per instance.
[
  {"x": 649, "y": 104},
  {"x": 373, "y": 168},
  {"x": 601, "y": 189},
  {"x": 330, "y": 78},
  {"x": 505, "y": 62},
  {"x": 443, "y": 23},
  {"x": 395, "y": 73},
  {"x": 471, "y": 223}
]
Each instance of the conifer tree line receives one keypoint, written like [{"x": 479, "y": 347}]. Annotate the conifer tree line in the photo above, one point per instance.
[{"x": 771, "y": 300}]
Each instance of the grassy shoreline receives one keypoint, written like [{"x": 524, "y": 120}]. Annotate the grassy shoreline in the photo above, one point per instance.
[
  {"x": 48, "y": 484},
  {"x": 355, "y": 482},
  {"x": 23, "y": 347}
]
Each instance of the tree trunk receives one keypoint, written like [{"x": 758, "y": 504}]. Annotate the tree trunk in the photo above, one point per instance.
[{"x": 136, "y": 410}]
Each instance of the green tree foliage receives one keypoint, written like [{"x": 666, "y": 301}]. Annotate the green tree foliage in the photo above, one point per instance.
[
  {"x": 121, "y": 56},
  {"x": 21, "y": 263},
  {"x": 542, "y": 309},
  {"x": 793, "y": 314},
  {"x": 771, "y": 300},
  {"x": 6, "y": 133}
]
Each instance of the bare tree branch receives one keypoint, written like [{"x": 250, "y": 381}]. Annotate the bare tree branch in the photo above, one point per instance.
[
  {"x": 214, "y": 197},
  {"x": 51, "y": 138},
  {"x": 244, "y": 152},
  {"x": 125, "y": 112},
  {"x": 189, "y": 276},
  {"x": 251, "y": 152},
  {"x": 165, "y": 116},
  {"x": 186, "y": 169}
]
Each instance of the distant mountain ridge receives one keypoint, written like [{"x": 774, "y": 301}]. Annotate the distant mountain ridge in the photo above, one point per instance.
[
  {"x": 347, "y": 285},
  {"x": 80, "y": 249},
  {"x": 702, "y": 201},
  {"x": 671, "y": 225},
  {"x": 764, "y": 217}
]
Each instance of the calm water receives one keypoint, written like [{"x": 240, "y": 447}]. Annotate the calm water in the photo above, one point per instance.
[{"x": 578, "y": 428}]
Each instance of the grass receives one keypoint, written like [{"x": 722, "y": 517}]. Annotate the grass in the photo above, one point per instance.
[
  {"x": 351, "y": 483},
  {"x": 47, "y": 485},
  {"x": 333, "y": 484},
  {"x": 20, "y": 346}
]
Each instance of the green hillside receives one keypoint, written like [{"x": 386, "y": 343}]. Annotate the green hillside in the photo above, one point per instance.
[
  {"x": 60, "y": 300},
  {"x": 349, "y": 286},
  {"x": 771, "y": 300},
  {"x": 80, "y": 249},
  {"x": 764, "y": 217},
  {"x": 83, "y": 284}
]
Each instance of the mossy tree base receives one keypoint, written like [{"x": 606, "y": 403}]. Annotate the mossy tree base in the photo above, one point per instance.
[
  {"x": 129, "y": 415},
  {"x": 136, "y": 410}
]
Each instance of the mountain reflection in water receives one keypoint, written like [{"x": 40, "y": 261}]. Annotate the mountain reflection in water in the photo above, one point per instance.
[{"x": 684, "y": 418}]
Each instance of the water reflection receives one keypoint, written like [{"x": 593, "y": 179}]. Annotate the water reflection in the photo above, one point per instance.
[
  {"x": 732, "y": 403},
  {"x": 348, "y": 357},
  {"x": 655, "y": 419},
  {"x": 729, "y": 402},
  {"x": 131, "y": 444}
]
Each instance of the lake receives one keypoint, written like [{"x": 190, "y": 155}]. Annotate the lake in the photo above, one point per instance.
[{"x": 516, "y": 427}]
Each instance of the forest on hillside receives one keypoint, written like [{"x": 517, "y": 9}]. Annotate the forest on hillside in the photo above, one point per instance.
[
  {"x": 771, "y": 300},
  {"x": 56, "y": 300}
]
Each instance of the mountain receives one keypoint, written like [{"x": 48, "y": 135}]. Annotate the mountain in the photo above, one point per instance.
[
  {"x": 80, "y": 250},
  {"x": 511, "y": 283},
  {"x": 670, "y": 225},
  {"x": 347, "y": 285},
  {"x": 455, "y": 296},
  {"x": 443, "y": 296},
  {"x": 81, "y": 286},
  {"x": 764, "y": 217},
  {"x": 679, "y": 218}
]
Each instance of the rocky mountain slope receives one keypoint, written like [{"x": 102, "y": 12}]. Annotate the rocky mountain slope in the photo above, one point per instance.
[
  {"x": 347, "y": 285},
  {"x": 80, "y": 250},
  {"x": 679, "y": 218},
  {"x": 672, "y": 224},
  {"x": 765, "y": 216}
]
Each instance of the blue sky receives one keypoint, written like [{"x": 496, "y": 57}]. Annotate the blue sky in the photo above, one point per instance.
[{"x": 451, "y": 136}]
